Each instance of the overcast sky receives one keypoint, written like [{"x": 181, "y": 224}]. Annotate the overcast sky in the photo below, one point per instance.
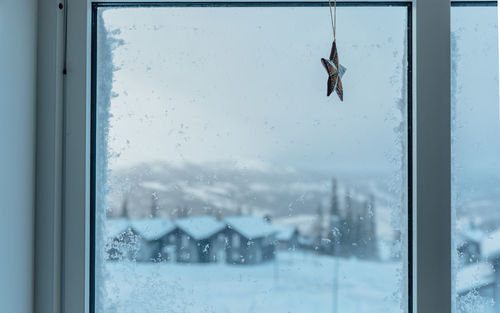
[{"x": 246, "y": 85}]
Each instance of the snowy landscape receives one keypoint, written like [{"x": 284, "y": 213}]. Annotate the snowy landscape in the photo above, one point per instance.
[
  {"x": 293, "y": 283},
  {"x": 302, "y": 277},
  {"x": 316, "y": 265}
]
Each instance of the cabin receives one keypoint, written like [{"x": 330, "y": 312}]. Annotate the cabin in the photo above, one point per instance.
[
  {"x": 308, "y": 243},
  {"x": 250, "y": 240},
  {"x": 287, "y": 237},
  {"x": 153, "y": 235},
  {"x": 120, "y": 240},
  {"x": 169, "y": 244},
  {"x": 468, "y": 243},
  {"x": 476, "y": 279},
  {"x": 482, "y": 278},
  {"x": 200, "y": 239}
]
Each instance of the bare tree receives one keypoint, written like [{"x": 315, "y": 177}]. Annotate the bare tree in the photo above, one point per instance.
[
  {"x": 318, "y": 226},
  {"x": 371, "y": 228},
  {"x": 125, "y": 211},
  {"x": 334, "y": 220},
  {"x": 334, "y": 202}
]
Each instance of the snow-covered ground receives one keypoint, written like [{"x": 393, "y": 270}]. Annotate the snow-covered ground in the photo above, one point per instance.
[{"x": 297, "y": 283}]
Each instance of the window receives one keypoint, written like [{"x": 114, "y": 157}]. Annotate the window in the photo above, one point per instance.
[
  {"x": 74, "y": 133},
  {"x": 215, "y": 118},
  {"x": 476, "y": 156}
]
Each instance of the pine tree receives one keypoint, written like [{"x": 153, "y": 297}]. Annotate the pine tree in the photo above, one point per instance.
[
  {"x": 371, "y": 228},
  {"x": 362, "y": 229},
  {"x": 318, "y": 227},
  {"x": 334, "y": 220},
  {"x": 349, "y": 226},
  {"x": 334, "y": 203},
  {"x": 182, "y": 212},
  {"x": 218, "y": 214},
  {"x": 363, "y": 238}
]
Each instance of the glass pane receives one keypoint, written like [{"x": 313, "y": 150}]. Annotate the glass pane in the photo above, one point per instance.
[
  {"x": 476, "y": 158},
  {"x": 227, "y": 181}
]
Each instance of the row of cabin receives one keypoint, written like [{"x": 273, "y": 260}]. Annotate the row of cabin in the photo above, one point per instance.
[{"x": 197, "y": 239}]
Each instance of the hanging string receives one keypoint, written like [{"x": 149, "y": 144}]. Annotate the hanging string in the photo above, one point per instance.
[{"x": 333, "y": 16}]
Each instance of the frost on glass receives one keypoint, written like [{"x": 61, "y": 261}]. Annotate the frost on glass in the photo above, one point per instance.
[
  {"x": 228, "y": 182},
  {"x": 476, "y": 159}
]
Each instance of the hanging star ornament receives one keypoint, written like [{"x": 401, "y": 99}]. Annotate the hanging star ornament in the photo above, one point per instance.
[{"x": 335, "y": 72}]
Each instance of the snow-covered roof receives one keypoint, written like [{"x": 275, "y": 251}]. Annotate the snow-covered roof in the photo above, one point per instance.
[
  {"x": 474, "y": 276},
  {"x": 469, "y": 235},
  {"x": 490, "y": 245},
  {"x": 285, "y": 232},
  {"x": 473, "y": 234},
  {"x": 360, "y": 198},
  {"x": 251, "y": 226},
  {"x": 307, "y": 241},
  {"x": 305, "y": 223},
  {"x": 153, "y": 228},
  {"x": 200, "y": 227},
  {"x": 116, "y": 226}
]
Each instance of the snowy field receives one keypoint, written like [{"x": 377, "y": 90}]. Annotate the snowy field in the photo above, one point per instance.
[{"x": 297, "y": 283}]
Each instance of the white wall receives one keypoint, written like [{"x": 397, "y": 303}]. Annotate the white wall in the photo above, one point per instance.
[{"x": 17, "y": 153}]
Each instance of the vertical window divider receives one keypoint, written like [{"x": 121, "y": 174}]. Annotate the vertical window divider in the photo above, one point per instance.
[{"x": 432, "y": 158}]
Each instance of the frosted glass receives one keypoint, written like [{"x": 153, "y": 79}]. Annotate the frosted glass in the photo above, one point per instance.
[
  {"x": 228, "y": 182},
  {"x": 475, "y": 158}
]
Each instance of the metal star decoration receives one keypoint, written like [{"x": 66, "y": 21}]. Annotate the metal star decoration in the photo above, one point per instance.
[{"x": 335, "y": 73}]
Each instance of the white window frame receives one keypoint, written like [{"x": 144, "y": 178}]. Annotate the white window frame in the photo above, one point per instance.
[{"x": 63, "y": 152}]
